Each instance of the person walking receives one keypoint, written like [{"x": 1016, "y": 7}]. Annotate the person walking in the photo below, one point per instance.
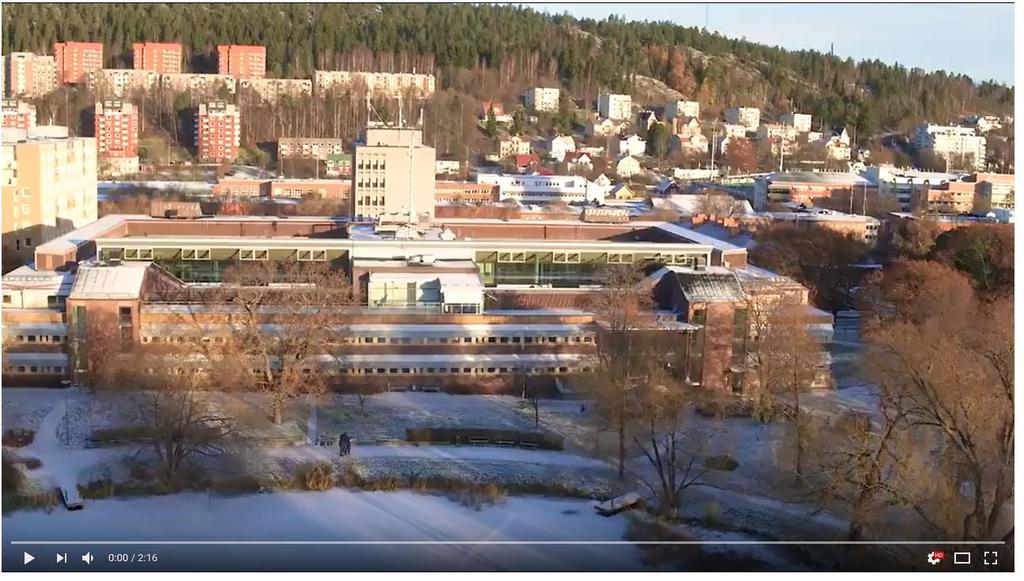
[{"x": 343, "y": 444}]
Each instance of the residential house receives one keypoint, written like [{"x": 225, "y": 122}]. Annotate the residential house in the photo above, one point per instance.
[
  {"x": 560, "y": 145},
  {"x": 514, "y": 145},
  {"x": 631, "y": 145},
  {"x": 627, "y": 166}
]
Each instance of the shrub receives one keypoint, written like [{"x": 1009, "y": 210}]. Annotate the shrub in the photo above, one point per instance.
[
  {"x": 97, "y": 489},
  {"x": 13, "y": 477},
  {"x": 31, "y": 463},
  {"x": 721, "y": 462},
  {"x": 237, "y": 484},
  {"x": 317, "y": 476},
  {"x": 18, "y": 438},
  {"x": 719, "y": 408},
  {"x": 712, "y": 516}
]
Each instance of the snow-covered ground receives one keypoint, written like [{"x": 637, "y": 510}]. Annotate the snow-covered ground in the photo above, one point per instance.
[
  {"x": 343, "y": 515},
  {"x": 24, "y": 408}
]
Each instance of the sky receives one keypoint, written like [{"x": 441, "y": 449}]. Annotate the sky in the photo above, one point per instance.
[{"x": 972, "y": 39}]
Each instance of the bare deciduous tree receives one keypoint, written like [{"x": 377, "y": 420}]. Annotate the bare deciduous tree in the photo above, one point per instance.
[
  {"x": 624, "y": 308},
  {"x": 180, "y": 423},
  {"x": 281, "y": 315}
]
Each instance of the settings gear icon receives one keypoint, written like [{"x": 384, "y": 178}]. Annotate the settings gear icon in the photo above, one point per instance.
[{"x": 936, "y": 557}]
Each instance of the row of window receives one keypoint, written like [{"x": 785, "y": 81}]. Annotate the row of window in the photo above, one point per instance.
[
  {"x": 545, "y": 370},
  {"x": 34, "y": 369},
  {"x": 205, "y": 254},
  {"x": 499, "y": 340},
  {"x": 53, "y": 339}
]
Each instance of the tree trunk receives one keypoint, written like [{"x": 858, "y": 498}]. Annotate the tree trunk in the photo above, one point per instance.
[
  {"x": 278, "y": 412},
  {"x": 622, "y": 445},
  {"x": 799, "y": 433}
]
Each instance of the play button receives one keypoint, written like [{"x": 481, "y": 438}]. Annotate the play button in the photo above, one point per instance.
[
  {"x": 62, "y": 557},
  {"x": 28, "y": 559}
]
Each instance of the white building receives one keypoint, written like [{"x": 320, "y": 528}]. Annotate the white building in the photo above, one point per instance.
[
  {"x": 205, "y": 84},
  {"x": 615, "y": 107},
  {"x": 120, "y": 82},
  {"x": 388, "y": 84},
  {"x": 904, "y": 184},
  {"x": 749, "y": 117},
  {"x": 627, "y": 166},
  {"x": 631, "y": 145},
  {"x": 560, "y": 145},
  {"x": 959, "y": 146},
  {"x": 734, "y": 130},
  {"x": 603, "y": 127},
  {"x": 513, "y": 146},
  {"x": 447, "y": 166},
  {"x": 271, "y": 90},
  {"x": 799, "y": 121},
  {"x": 542, "y": 99},
  {"x": 777, "y": 135},
  {"x": 529, "y": 189},
  {"x": 682, "y": 108}
]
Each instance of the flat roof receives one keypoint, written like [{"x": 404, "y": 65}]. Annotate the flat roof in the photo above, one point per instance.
[
  {"x": 26, "y": 277},
  {"x": 123, "y": 281},
  {"x": 698, "y": 238}
]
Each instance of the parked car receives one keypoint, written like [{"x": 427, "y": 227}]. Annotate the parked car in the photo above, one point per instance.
[{"x": 70, "y": 497}]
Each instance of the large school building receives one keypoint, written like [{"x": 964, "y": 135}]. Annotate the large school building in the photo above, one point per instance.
[{"x": 466, "y": 305}]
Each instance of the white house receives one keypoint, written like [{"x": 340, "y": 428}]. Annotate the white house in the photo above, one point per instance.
[
  {"x": 627, "y": 166},
  {"x": 749, "y": 117},
  {"x": 542, "y": 98},
  {"x": 631, "y": 145},
  {"x": 693, "y": 143},
  {"x": 615, "y": 107},
  {"x": 447, "y": 166},
  {"x": 560, "y": 145},
  {"x": 682, "y": 108},
  {"x": 603, "y": 127},
  {"x": 734, "y": 130},
  {"x": 799, "y": 121},
  {"x": 513, "y": 146},
  {"x": 578, "y": 161}
]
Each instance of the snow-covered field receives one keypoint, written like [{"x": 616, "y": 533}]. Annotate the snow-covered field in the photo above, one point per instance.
[
  {"x": 342, "y": 515},
  {"x": 24, "y": 408}
]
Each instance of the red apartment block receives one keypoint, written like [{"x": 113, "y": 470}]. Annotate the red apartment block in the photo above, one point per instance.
[
  {"x": 162, "y": 57},
  {"x": 75, "y": 60},
  {"x": 242, "y": 62},
  {"x": 218, "y": 125},
  {"x": 117, "y": 129}
]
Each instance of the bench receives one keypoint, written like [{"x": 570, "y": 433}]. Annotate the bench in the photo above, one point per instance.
[
  {"x": 506, "y": 443},
  {"x": 479, "y": 441},
  {"x": 528, "y": 444},
  {"x": 430, "y": 388},
  {"x": 618, "y": 504}
]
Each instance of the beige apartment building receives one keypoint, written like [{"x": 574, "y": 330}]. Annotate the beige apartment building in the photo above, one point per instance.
[
  {"x": 29, "y": 75},
  {"x": 393, "y": 175},
  {"x": 271, "y": 90},
  {"x": 388, "y": 84},
  {"x": 49, "y": 186},
  {"x": 309, "y": 147}
]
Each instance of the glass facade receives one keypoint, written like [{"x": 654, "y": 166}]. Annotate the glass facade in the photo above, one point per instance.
[
  {"x": 566, "y": 269},
  {"x": 209, "y": 264}
]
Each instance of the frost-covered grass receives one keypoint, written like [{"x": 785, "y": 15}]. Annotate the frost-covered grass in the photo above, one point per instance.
[{"x": 25, "y": 408}]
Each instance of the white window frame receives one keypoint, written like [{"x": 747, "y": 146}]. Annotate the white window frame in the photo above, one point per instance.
[
  {"x": 253, "y": 254},
  {"x": 195, "y": 254},
  {"x": 311, "y": 255}
]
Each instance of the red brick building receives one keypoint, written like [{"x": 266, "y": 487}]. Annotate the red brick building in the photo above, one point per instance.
[
  {"x": 218, "y": 125},
  {"x": 75, "y": 60},
  {"x": 117, "y": 129},
  {"x": 242, "y": 62},
  {"x": 162, "y": 57}
]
